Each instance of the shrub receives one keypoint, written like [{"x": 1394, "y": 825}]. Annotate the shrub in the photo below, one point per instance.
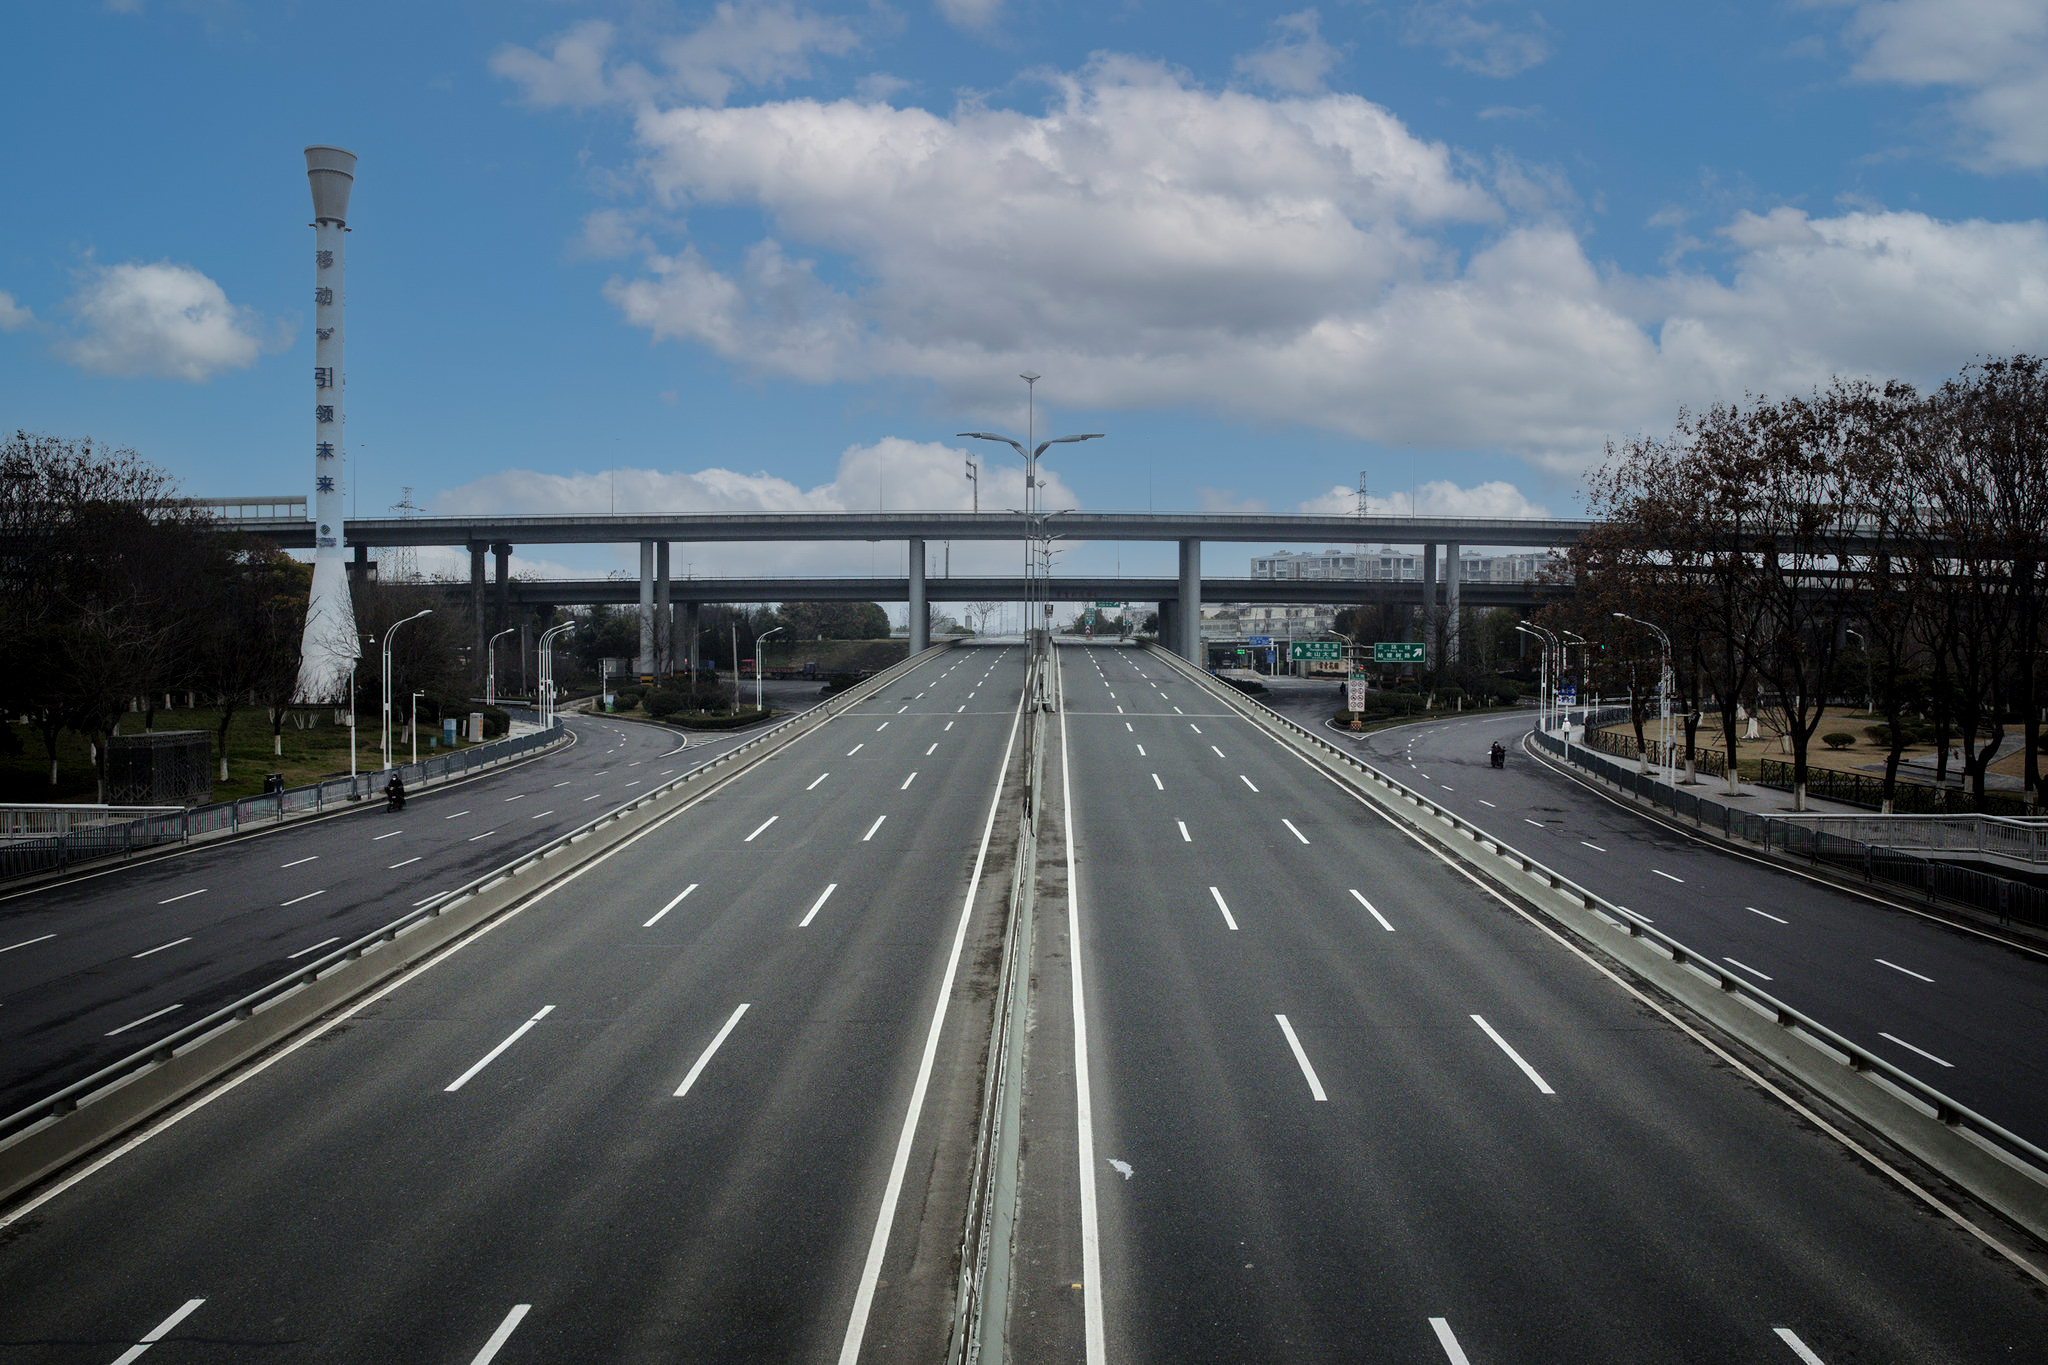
[
  {"x": 1838, "y": 739},
  {"x": 663, "y": 702}
]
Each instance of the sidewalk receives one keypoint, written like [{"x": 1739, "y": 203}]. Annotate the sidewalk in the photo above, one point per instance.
[{"x": 1750, "y": 797}]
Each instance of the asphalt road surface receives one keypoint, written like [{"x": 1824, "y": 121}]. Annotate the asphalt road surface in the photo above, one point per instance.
[{"x": 92, "y": 968}]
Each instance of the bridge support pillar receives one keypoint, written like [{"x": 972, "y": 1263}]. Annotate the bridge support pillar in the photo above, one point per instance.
[
  {"x": 1188, "y": 610},
  {"x": 1169, "y": 627},
  {"x": 1429, "y": 641},
  {"x": 692, "y": 628},
  {"x": 476, "y": 607},
  {"x": 1452, "y": 574},
  {"x": 920, "y": 609},
  {"x": 664, "y": 617},
  {"x": 503, "y": 554},
  {"x": 644, "y": 665},
  {"x": 359, "y": 570}
]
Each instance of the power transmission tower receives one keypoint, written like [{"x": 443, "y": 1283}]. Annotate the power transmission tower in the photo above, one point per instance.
[{"x": 404, "y": 565}]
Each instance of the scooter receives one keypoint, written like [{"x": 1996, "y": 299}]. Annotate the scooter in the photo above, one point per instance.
[
  {"x": 394, "y": 796},
  {"x": 1499, "y": 756}
]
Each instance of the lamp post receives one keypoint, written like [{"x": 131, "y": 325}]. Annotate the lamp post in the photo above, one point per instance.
[
  {"x": 1543, "y": 674},
  {"x": 1573, "y": 638},
  {"x": 389, "y": 631},
  {"x": 413, "y": 724},
  {"x": 545, "y": 649},
  {"x": 491, "y": 666},
  {"x": 760, "y": 657},
  {"x": 1663, "y": 693}
]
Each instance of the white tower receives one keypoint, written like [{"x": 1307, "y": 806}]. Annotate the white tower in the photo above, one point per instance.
[{"x": 330, "y": 645}]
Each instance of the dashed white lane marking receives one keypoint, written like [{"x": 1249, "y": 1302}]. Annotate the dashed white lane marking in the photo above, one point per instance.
[
  {"x": 763, "y": 825},
  {"x": 1178, "y": 712},
  {"x": 1196, "y": 728},
  {"x": 883, "y": 726},
  {"x": 300, "y": 862},
  {"x": 1765, "y": 913},
  {"x": 812, "y": 913},
  {"x": 1595, "y": 847},
  {"x": 592, "y": 797},
  {"x": 189, "y": 894},
  {"x": 1448, "y": 789},
  {"x": 872, "y": 828},
  {"x": 392, "y": 835},
  {"x": 160, "y": 947},
  {"x": 558, "y": 784},
  {"x": 457, "y": 816},
  {"x": 1667, "y": 876},
  {"x": 1247, "y": 781},
  {"x": 474, "y": 837},
  {"x": 1907, "y": 970},
  {"x": 1449, "y": 1341},
  {"x": 1128, "y": 726},
  {"x": 1292, "y": 830},
  {"x": 1157, "y": 783},
  {"x": 681, "y": 896},
  {"x": 1488, "y": 804},
  {"x": 1120, "y": 709},
  {"x": 308, "y": 896},
  {"x": 1799, "y": 1348},
  {"x": 1141, "y": 751},
  {"x": 1315, "y": 1086},
  {"x": 856, "y": 748},
  {"x": 1371, "y": 911},
  {"x": 135, "y": 1023},
  {"x": 949, "y": 725},
  {"x": 816, "y": 780},
  {"x": 1227, "y": 917},
  {"x": 502, "y": 1335},
  {"x": 520, "y": 797},
  {"x": 1747, "y": 968},
  {"x": 159, "y": 1332},
  {"x": 934, "y": 749},
  {"x": 42, "y": 938},
  {"x": 540, "y": 815},
  {"x": 408, "y": 862},
  {"x": 1514, "y": 1056},
  {"x": 1184, "y": 836},
  {"x": 704, "y": 1059},
  {"x": 1218, "y": 752},
  {"x": 288, "y": 957},
  {"x": 1922, "y": 1051},
  {"x": 1527, "y": 821},
  {"x": 493, "y": 1054},
  {"x": 906, "y": 782}
]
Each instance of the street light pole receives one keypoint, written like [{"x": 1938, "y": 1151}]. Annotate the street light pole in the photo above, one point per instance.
[
  {"x": 1664, "y": 739},
  {"x": 413, "y": 724},
  {"x": 389, "y": 631},
  {"x": 1542, "y": 676},
  {"x": 491, "y": 666},
  {"x": 760, "y": 657},
  {"x": 545, "y": 649}
]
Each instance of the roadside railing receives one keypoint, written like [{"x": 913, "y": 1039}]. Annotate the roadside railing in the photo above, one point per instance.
[
  {"x": 49, "y": 821},
  {"x": 1910, "y": 798},
  {"x": 2024, "y": 841},
  {"x": 1851, "y": 1054}
]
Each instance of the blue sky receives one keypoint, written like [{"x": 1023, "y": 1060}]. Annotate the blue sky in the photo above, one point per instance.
[{"x": 776, "y": 254}]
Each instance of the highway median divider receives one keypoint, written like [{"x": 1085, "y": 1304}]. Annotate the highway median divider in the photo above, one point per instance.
[{"x": 43, "y": 1140}]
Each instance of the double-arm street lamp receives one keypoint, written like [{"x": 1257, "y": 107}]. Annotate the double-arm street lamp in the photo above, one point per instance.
[
  {"x": 1664, "y": 736},
  {"x": 545, "y": 648},
  {"x": 389, "y": 631},
  {"x": 1547, "y": 683}
]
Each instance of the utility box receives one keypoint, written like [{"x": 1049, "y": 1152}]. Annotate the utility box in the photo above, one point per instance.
[
  {"x": 476, "y": 727},
  {"x": 448, "y": 724},
  {"x": 166, "y": 768}
]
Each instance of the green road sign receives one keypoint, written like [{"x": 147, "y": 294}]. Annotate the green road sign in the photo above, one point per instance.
[
  {"x": 1314, "y": 651},
  {"x": 1399, "y": 652},
  {"x": 1111, "y": 606}
]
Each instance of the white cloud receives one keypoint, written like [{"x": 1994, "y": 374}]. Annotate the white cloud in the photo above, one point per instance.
[
  {"x": 1295, "y": 59},
  {"x": 165, "y": 320},
  {"x": 14, "y": 316},
  {"x": 971, "y": 14},
  {"x": 1437, "y": 498},
  {"x": 1993, "y": 52},
  {"x": 1487, "y": 48},
  {"x": 744, "y": 42}
]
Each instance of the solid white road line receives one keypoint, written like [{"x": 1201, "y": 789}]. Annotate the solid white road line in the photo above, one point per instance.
[
  {"x": 1527, "y": 1070},
  {"x": 1247, "y": 781},
  {"x": 1799, "y": 1348},
  {"x": 1184, "y": 831},
  {"x": 145, "y": 1019},
  {"x": 1315, "y": 1087},
  {"x": 311, "y": 858},
  {"x": 681, "y": 896},
  {"x": 502, "y": 1335},
  {"x": 1922, "y": 1051},
  {"x": 1595, "y": 847},
  {"x": 1667, "y": 876},
  {"x": 1371, "y": 911},
  {"x": 1766, "y": 914},
  {"x": 704, "y": 1058},
  {"x": 763, "y": 825},
  {"x": 186, "y": 896},
  {"x": 1907, "y": 970},
  {"x": 308, "y": 896},
  {"x": 492, "y": 1055},
  {"x": 407, "y": 863},
  {"x": 1747, "y": 968},
  {"x": 1157, "y": 783},
  {"x": 816, "y": 780},
  {"x": 1292, "y": 830},
  {"x": 906, "y": 782},
  {"x": 1449, "y": 1341},
  {"x": 812, "y": 914},
  {"x": 314, "y": 949},
  {"x": 26, "y": 942},
  {"x": 1224, "y": 908},
  {"x": 872, "y": 828},
  {"x": 159, "y": 1332},
  {"x": 160, "y": 947}
]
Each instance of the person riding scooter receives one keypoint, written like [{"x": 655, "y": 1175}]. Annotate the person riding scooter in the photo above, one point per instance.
[
  {"x": 1499, "y": 755},
  {"x": 394, "y": 793}
]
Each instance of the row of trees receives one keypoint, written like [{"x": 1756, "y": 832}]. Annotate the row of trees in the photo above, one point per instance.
[{"x": 1764, "y": 537}]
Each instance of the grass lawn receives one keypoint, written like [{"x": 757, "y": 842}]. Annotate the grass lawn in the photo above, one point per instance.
[{"x": 310, "y": 754}]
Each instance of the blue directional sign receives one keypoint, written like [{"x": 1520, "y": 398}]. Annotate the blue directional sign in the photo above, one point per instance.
[{"x": 1261, "y": 642}]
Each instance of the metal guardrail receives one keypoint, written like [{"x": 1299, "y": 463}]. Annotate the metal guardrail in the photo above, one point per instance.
[
  {"x": 2001, "y": 836},
  {"x": 46, "y": 821},
  {"x": 175, "y": 825},
  {"x": 66, "y": 1100},
  {"x": 1857, "y": 1057}
]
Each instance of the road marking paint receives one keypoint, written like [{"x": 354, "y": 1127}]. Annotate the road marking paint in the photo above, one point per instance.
[
  {"x": 1120, "y": 709},
  {"x": 1449, "y": 1341},
  {"x": 200, "y": 892},
  {"x": 308, "y": 896},
  {"x": 1371, "y": 911},
  {"x": 1141, "y": 751},
  {"x": 1157, "y": 783},
  {"x": 1747, "y": 968},
  {"x": 763, "y": 825},
  {"x": 1196, "y": 728},
  {"x": 26, "y": 942},
  {"x": 1922, "y": 1051},
  {"x": 1315, "y": 1087},
  {"x": 457, "y": 816},
  {"x": 1595, "y": 847},
  {"x": 1292, "y": 830},
  {"x": 1765, "y": 913},
  {"x": 159, "y": 1332},
  {"x": 1488, "y": 804},
  {"x": 541, "y": 815},
  {"x": 437, "y": 896},
  {"x": 883, "y": 726},
  {"x": 949, "y": 724},
  {"x": 592, "y": 797},
  {"x": 492, "y": 1055},
  {"x": 856, "y": 748},
  {"x": 474, "y": 837},
  {"x": 160, "y": 947},
  {"x": 133, "y": 1023},
  {"x": 1247, "y": 781},
  {"x": 958, "y": 709},
  {"x": 1448, "y": 789},
  {"x": 1527, "y": 821},
  {"x": 872, "y": 828},
  {"x": 1218, "y": 752},
  {"x": 680, "y": 897},
  {"x": 1130, "y": 727},
  {"x": 520, "y": 797},
  {"x": 1184, "y": 837},
  {"x": 407, "y": 863},
  {"x": 502, "y": 1335},
  {"x": 1907, "y": 970},
  {"x": 1227, "y": 919},
  {"x": 1527, "y": 1070},
  {"x": 288, "y": 957},
  {"x": 1799, "y": 1348},
  {"x": 392, "y": 835},
  {"x": 1178, "y": 712},
  {"x": 906, "y": 782},
  {"x": 300, "y": 862},
  {"x": 1667, "y": 876},
  {"x": 812, "y": 914},
  {"x": 934, "y": 749},
  {"x": 635, "y": 782},
  {"x": 816, "y": 780},
  {"x": 704, "y": 1058}
]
